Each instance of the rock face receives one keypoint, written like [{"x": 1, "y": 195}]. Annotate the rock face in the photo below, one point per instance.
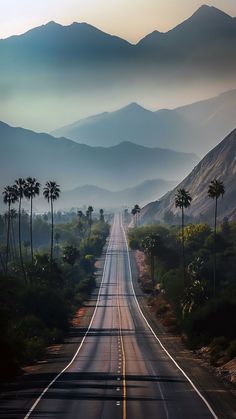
[{"x": 219, "y": 163}]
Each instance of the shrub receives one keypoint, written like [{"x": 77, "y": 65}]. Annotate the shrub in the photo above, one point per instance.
[{"x": 215, "y": 319}]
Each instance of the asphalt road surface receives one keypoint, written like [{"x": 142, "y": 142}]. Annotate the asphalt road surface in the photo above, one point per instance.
[{"x": 120, "y": 370}]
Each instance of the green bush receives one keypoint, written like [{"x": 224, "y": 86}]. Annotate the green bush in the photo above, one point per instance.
[
  {"x": 215, "y": 319},
  {"x": 217, "y": 347},
  {"x": 35, "y": 348}
]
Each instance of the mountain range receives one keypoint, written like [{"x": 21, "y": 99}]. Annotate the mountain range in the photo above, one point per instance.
[
  {"x": 26, "y": 153},
  {"x": 79, "y": 70},
  {"x": 100, "y": 197},
  {"x": 196, "y": 127},
  {"x": 219, "y": 163}
]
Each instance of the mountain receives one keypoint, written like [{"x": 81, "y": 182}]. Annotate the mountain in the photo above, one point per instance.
[
  {"x": 208, "y": 35},
  {"x": 66, "y": 71},
  {"x": 26, "y": 153},
  {"x": 99, "y": 197},
  {"x": 196, "y": 127},
  {"x": 219, "y": 163}
]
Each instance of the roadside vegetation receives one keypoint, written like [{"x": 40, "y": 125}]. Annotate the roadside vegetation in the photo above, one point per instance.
[
  {"x": 46, "y": 271},
  {"x": 191, "y": 274}
]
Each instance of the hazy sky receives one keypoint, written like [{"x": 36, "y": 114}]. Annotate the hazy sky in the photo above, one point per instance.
[{"x": 130, "y": 19}]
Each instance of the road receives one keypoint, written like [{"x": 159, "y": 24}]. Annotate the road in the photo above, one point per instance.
[{"x": 120, "y": 370}]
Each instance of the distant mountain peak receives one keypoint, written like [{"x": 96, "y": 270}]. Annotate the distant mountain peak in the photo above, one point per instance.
[
  {"x": 206, "y": 11},
  {"x": 133, "y": 106}
]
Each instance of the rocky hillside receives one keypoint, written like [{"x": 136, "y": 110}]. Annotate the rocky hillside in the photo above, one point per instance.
[{"x": 219, "y": 163}]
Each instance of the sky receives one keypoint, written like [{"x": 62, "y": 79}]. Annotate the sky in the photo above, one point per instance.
[{"x": 129, "y": 19}]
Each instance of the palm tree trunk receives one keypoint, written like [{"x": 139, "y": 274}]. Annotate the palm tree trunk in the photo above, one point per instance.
[
  {"x": 2, "y": 263},
  {"x": 19, "y": 238},
  {"x": 14, "y": 253},
  {"x": 31, "y": 229},
  {"x": 214, "y": 264},
  {"x": 183, "y": 247},
  {"x": 8, "y": 235},
  {"x": 52, "y": 233},
  {"x": 152, "y": 273}
]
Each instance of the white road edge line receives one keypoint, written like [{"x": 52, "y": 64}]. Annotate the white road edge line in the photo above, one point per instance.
[
  {"x": 81, "y": 344},
  {"x": 158, "y": 340}
]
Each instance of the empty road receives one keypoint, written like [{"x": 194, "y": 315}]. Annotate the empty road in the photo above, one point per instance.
[{"x": 120, "y": 370}]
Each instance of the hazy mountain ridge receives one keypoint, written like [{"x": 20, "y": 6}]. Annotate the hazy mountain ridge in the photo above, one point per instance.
[
  {"x": 219, "y": 163},
  {"x": 25, "y": 153},
  {"x": 78, "y": 64},
  {"x": 100, "y": 197},
  {"x": 196, "y": 127}
]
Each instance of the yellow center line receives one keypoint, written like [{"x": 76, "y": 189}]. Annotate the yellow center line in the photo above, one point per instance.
[{"x": 123, "y": 354}]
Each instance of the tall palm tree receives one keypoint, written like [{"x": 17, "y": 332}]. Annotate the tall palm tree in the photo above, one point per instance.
[
  {"x": 9, "y": 198},
  {"x": 89, "y": 213},
  {"x": 215, "y": 190},
  {"x": 183, "y": 200},
  {"x": 101, "y": 215},
  {"x": 20, "y": 186},
  {"x": 13, "y": 217},
  {"x": 151, "y": 246},
  {"x": 51, "y": 192},
  {"x": 80, "y": 214},
  {"x": 137, "y": 210},
  {"x": 133, "y": 212},
  {"x": 32, "y": 189}
]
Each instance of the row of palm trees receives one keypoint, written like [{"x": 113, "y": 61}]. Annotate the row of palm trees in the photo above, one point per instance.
[
  {"x": 183, "y": 200},
  {"x": 28, "y": 188}
]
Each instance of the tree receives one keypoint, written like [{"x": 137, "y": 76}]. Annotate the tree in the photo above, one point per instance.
[
  {"x": 215, "y": 190},
  {"x": 151, "y": 245},
  {"x": 80, "y": 214},
  {"x": 101, "y": 215},
  {"x": 20, "y": 187},
  {"x": 89, "y": 215},
  {"x": 32, "y": 189},
  {"x": 183, "y": 200},
  {"x": 51, "y": 192},
  {"x": 13, "y": 217},
  {"x": 9, "y": 198},
  {"x": 71, "y": 254},
  {"x": 135, "y": 212}
]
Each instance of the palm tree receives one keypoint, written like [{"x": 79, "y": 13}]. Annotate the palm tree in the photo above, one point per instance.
[
  {"x": 183, "y": 200},
  {"x": 101, "y": 215},
  {"x": 151, "y": 246},
  {"x": 51, "y": 192},
  {"x": 9, "y": 198},
  {"x": 13, "y": 217},
  {"x": 89, "y": 214},
  {"x": 137, "y": 209},
  {"x": 32, "y": 189},
  {"x": 135, "y": 212},
  {"x": 20, "y": 186},
  {"x": 215, "y": 190},
  {"x": 80, "y": 214}
]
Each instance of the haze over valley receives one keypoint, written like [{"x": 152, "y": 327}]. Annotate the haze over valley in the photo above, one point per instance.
[{"x": 70, "y": 72}]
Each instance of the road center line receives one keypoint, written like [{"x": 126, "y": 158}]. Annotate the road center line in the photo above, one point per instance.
[{"x": 123, "y": 351}]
